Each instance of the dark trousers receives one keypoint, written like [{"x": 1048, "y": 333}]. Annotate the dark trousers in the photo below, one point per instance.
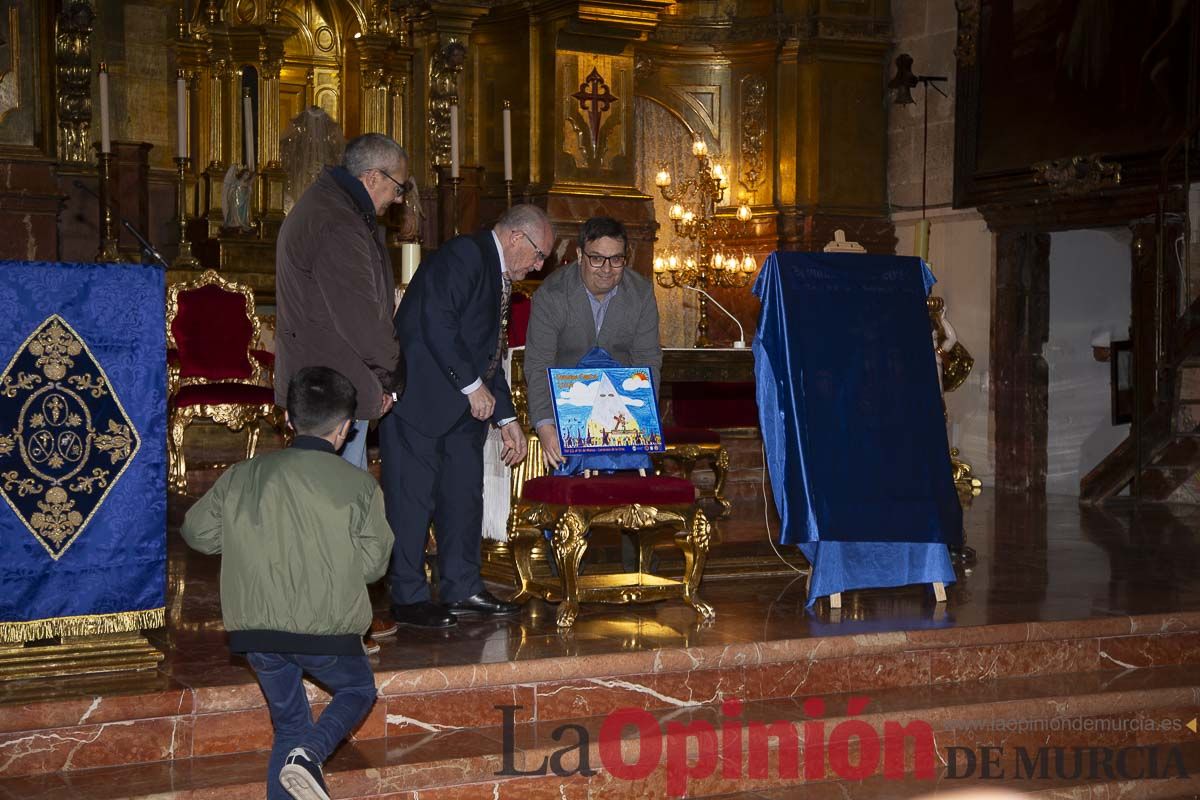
[
  {"x": 348, "y": 678},
  {"x": 436, "y": 479}
]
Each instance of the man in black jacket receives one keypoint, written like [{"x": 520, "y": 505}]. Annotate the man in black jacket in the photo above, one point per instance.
[{"x": 432, "y": 443}]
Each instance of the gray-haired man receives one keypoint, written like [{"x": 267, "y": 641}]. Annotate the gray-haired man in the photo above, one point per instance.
[{"x": 334, "y": 288}]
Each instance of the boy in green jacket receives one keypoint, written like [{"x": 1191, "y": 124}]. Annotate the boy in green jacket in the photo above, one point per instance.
[{"x": 301, "y": 533}]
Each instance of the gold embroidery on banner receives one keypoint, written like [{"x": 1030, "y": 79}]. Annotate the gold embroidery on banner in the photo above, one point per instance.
[
  {"x": 23, "y": 486},
  {"x": 24, "y": 381},
  {"x": 99, "y": 477},
  {"x": 116, "y": 442},
  {"x": 66, "y": 420},
  {"x": 57, "y": 519},
  {"x": 54, "y": 348},
  {"x": 84, "y": 384}
]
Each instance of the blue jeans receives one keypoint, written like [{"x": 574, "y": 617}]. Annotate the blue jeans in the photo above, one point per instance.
[
  {"x": 355, "y": 448},
  {"x": 348, "y": 678}
]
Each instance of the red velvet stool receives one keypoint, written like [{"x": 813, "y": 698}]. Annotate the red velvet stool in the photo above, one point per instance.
[
  {"x": 686, "y": 447},
  {"x": 657, "y": 510}
]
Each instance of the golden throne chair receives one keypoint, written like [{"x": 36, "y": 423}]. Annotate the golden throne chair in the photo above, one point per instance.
[{"x": 215, "y": 372}]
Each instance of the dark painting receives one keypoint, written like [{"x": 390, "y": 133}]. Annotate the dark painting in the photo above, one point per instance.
[{"x": 1066, "y": 77}]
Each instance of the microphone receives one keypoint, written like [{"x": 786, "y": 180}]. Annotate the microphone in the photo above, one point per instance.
[
  {"x": 147, "y": 248},
  {"x": 740, "y": 344}
]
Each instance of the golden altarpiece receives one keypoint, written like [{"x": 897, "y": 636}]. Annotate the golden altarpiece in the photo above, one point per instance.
[{"x": 771, "y": 110}]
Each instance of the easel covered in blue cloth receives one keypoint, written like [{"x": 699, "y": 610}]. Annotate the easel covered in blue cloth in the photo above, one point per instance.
[{"x": 852, "y": 420}]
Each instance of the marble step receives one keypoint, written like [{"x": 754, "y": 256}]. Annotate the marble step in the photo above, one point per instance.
[
  {"x": 217, "y": 709},
  {"x": 479, "y": 762}
]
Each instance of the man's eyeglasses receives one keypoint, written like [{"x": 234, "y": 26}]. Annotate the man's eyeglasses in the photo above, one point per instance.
[
  {"x": 597, "y": 261},
  {"x": 401, "y": 188},
  {"x": 536, "y": 250}
]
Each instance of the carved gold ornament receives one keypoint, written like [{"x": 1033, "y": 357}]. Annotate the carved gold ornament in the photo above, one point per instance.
[{"x": 67, "y": 437}]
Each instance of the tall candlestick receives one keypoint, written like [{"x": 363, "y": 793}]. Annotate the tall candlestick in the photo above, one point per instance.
[
  {"x": 105, "y": 140},
  {"x": 454, "y": 141},
  {"x": 922, "y": 241},
  {"x": 248, "y": 125},
  {"x": 181, "y": 116},
  {"x": 507, "y": 116},
  {"x": 410, "y": 259}
]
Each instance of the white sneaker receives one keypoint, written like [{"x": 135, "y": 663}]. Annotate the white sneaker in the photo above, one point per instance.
[{"x": 302, "y": 777}]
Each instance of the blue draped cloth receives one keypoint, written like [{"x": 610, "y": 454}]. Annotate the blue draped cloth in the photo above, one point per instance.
[
  {"x": 83, "y": 456},
  {"x": 852, "y": 419}
]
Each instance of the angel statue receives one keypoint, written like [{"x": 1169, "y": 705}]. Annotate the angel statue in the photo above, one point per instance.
[
  {"x": 235, "y": 196},
  {"x": 954, "y": 364}
]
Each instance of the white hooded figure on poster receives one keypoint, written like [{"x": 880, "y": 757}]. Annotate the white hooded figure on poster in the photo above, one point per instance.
[{"x": 611, "y": 420}]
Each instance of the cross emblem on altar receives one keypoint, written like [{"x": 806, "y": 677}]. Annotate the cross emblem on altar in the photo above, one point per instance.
[{"x": 594, "y": 98}]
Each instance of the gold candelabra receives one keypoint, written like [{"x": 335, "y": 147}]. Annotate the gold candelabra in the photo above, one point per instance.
[
  {"x": 107, "y": 252},
  {"x": 704, "y": 262},
  {"x": 185, "y": 259}
]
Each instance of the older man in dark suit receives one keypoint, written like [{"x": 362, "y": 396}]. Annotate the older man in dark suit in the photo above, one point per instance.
[
  {"x": 432, "y": 442},
  {"x": 596, "y": 302}
]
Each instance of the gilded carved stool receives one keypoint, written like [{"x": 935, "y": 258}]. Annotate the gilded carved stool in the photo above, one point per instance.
[
  {"x": 657, "y": 510},
  {"x": 690, "y": 446}
]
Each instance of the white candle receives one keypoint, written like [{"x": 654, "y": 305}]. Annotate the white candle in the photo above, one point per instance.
[
  {"x": 410, "y": 258},
  {"x": 248, "y": 124},
  {"x": 105, "y": 141},
  {"x": 181, "y": 116},
  {"x": 507, "y": 115},
  {"x": 454, "y": 141}
]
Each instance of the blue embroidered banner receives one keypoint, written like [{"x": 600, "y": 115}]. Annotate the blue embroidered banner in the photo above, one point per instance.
[
  {"x": 852, "y": 419},
  {"x": 82, "y": 449}
]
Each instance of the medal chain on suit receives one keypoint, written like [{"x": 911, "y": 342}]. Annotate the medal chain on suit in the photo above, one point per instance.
[{"x": 502, "y": 339}]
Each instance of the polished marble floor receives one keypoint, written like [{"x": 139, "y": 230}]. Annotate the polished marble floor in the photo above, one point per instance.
[{"x": 1036, "y": 561}]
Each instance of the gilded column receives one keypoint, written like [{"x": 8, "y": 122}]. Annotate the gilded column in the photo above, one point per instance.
[
  {"x": 73, "y": 52},
  {"x": 373, "y": 106},
  {"x": 398, "y": 86}
]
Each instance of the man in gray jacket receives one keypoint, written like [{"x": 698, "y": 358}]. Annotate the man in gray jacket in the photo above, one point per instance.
[
  {"x": 599, "y": 301},
  {"x": 301, "y": 533}
]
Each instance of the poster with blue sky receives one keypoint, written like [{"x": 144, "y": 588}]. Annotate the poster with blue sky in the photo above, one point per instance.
[{"x": 606, "y": 410}]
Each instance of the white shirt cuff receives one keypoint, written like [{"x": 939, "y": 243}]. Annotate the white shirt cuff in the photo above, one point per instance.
[
  {"x": 505, "y": 421},
  {"x": 478, "y": 382}
]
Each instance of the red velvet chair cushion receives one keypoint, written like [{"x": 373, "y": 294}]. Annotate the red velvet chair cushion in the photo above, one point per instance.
[
  {"x": 213, "y": 333},
  {"x": 242, "y": 394},
  {"x": 708, "y": 404},
  {"x": 518, "y": 319},
  {"x": 609, "y": 490},
  {"x": 677, "y": 435}
]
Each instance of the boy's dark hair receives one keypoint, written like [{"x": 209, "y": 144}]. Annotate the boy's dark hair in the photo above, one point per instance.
[
  {"x": 319, "y": 399},
  {"x": 600, "y": 228}
]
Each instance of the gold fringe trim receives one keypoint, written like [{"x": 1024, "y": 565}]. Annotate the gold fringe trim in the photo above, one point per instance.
[{"x": 86, "y": 625}]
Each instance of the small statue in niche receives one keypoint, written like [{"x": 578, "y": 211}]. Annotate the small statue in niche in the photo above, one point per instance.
[{"x": 235, "y": 196}]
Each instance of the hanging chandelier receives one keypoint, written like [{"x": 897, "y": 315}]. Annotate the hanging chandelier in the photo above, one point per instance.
[{"x": 706, "y": 260}]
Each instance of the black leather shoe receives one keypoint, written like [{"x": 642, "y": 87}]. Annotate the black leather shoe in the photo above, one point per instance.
[
  {"x": 484, "y": 603},
  {"x": 423, "y": 615}
]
